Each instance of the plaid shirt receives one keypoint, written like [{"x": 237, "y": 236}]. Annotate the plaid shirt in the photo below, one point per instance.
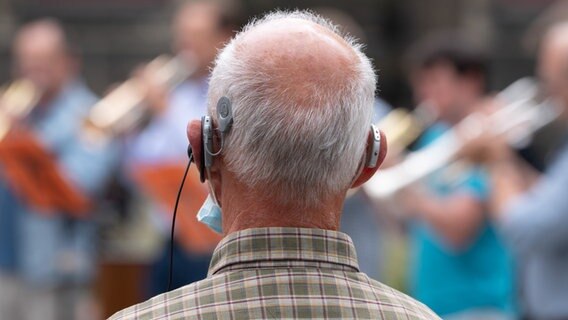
[{"x": 282, "y": 273}]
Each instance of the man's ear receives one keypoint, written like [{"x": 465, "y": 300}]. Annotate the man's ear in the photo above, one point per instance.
[
  {"x": 195, "y": 140},
  {"x": 367, "y": 172}
]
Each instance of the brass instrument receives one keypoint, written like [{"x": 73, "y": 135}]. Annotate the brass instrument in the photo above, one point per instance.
[
  {"x": 16, "y": 101},
  {"x": 403, "y": 127},
  {"x": 123, "y": 108},
  {"x": 524, "y": 112}
]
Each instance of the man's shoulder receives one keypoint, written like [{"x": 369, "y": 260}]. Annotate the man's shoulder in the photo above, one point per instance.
[
  {"x": 209, "y": 297},
  {"x": 401, "y": 304},
  {"x": 179, "y": 303}
]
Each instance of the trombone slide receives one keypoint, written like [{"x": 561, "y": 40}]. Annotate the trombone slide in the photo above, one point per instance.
[{"x": 516, "y": 121}]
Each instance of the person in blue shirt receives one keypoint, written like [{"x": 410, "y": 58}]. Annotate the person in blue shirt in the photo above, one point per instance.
[
  {"x": 459, "y": 266},
  {"x": 200, "y": 28},
  {"x": 46, "y": 256},
  {"x": 531, "y": 210}
]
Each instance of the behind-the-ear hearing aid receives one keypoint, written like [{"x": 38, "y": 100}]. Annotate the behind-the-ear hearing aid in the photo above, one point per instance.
[
  {"x": 206, "y": 143},
  {"x": 225, "y": 121},
  {"x": 374, "y": 147},
  {"x": 224, "y": 115}
]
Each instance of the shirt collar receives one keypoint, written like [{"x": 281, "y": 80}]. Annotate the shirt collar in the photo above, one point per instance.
[{"x": 284, "y": 247}]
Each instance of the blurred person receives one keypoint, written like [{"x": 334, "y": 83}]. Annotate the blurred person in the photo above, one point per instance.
[
  {"x": 359, "y": 219},
  {"x": 200, "y": 28},
  {"x": 532, "y": 215},
  {"x": 458, "y": 265},
  {"x": 302, "y": 98},
  {"x": 47, "y": 259}
]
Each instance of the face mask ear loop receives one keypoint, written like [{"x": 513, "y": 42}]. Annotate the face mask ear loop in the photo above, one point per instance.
[
  {"x": 208, "y": 170},
  {"x": 211, "y": 190}
]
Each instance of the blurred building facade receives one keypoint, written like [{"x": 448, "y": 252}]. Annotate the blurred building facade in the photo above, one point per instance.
[{"x": 114, "y": 36}]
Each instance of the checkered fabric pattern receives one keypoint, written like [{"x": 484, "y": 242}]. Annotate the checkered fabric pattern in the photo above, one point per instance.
[{"x": 282, "y": 273}]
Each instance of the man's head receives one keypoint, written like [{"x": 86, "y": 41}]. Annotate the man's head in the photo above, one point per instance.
[
  {"x": 302, "y": 99},
  {"x": 202, "y": 27},
  {"x": 449, "y": 74},
  {"x": 553, "y": 62},
  {"x": 41, "y": 55}
]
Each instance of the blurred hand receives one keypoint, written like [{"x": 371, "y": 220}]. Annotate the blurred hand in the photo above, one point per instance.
[
  {"x": 486, "y": 147},
  {"x": 484, "y": 144}
]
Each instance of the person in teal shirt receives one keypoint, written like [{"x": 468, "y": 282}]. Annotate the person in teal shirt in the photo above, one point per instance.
[
  {"x": 452, "y": 277},
  {"x": 460, "y": 268}
]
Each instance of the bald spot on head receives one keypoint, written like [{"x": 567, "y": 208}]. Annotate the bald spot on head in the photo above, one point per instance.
[{"x": 302, "y": 58}]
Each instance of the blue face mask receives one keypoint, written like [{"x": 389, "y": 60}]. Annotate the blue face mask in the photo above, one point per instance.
[{"x": 210, "y": 215}]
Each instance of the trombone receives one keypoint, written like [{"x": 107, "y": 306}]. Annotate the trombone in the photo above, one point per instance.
[
  {"x": 403, "y": 128},
  {"x": 123, "y": 109},
  {"x": 524, "y": 113}
]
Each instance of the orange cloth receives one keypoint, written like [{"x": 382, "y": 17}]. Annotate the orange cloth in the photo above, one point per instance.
[{"x": 162, "y": 183}]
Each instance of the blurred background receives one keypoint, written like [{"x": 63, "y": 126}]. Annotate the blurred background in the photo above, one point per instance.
[
  {"x": 118, "y": 255},
  {"x": 116, "y": 36}
]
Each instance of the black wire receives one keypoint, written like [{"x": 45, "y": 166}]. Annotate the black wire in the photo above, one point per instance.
[{"x": 171, "y": 267}]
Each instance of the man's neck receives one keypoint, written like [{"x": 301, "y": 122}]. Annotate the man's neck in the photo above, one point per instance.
[{"x": 251, "y": 210}]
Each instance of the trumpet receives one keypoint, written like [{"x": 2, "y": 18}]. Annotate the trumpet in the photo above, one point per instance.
[
  {"x": 16, "y": 101},
  {"x": 123, "y": 108},
  {"x": 524, "y": 112}
]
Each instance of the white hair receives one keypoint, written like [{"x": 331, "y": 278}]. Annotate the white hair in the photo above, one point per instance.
[{"x": 295, "y": 154}]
